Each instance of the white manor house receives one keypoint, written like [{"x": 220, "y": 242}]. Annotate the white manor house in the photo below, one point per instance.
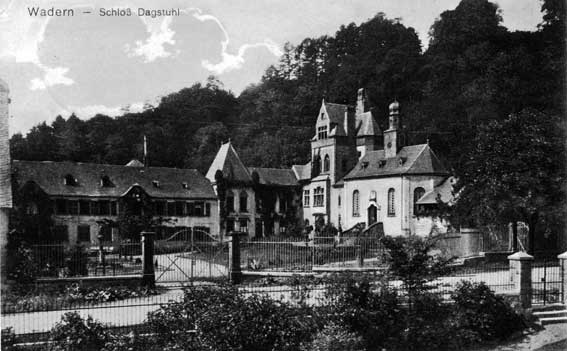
[{"x": 357, "y": 175}]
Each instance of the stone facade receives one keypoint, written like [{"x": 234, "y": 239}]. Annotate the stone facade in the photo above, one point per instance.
[{"x": 371, "y": 177}]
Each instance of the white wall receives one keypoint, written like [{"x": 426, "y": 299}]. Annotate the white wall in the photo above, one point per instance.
[{"x": 404, "y": 221}]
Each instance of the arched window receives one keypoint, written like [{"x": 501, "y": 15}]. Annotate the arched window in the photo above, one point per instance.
[
  {"x": 326, "y": 164},
  {"x": 417, "y": 194},
  {"x": 243, "y": 201},
  {"x": 316, "y": 167},
  {"x": 229, "y": 201},
  {"x": 391, "y": 196},
  {"x": 319, "y": 197},
  {"x": 356, "y": 203}
]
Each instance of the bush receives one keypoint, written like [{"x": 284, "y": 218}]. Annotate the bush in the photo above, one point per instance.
[
  {"x": 74, "y": 333},
  {"x": 8, "y": 339},
  {"x": 335, "y": 338},
  {"x": 480, "y": 315},
  {"x": 369, "y": 308},
  {"x": 224, "y": 319},
  {"x": 426, "y": 325}
]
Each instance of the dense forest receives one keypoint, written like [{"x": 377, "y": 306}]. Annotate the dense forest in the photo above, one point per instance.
[{"x": 474, "y": 71}]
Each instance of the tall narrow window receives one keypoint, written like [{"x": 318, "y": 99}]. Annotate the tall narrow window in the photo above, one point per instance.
[
  {"x": 391, "y": 196},
  {"x": 319, "y": 197},
  {"x": 316, "y": 165},
  {"x": 322, "y": 132},
  {"x": 229, "y": 202},
  {"x": 356, "y": 203},
  {"x": 243, "y": 201},
  {"x": 326, "y": 164},
  {"x": 417, "y": 194},
  {"x": 83, "y": 233},
  {"x": 306, "y": 198}
]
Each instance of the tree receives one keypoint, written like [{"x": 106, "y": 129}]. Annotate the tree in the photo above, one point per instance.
[{"x": 516, "y": 172}]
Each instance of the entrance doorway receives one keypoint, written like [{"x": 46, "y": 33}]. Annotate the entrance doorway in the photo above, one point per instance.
[{"x": 372, "y": 215}]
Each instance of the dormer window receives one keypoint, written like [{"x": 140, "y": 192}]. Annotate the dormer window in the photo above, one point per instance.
[
  {"x": 381, "y": 163},
  {"x": 70, "y": 180},
  {"x": 322, "y": 132},
  {"x": 185, "y": 185},
  {"x": 155, "y": 183},
  {"x": 402, "y": 160},
  {"x": 364, "y": 165},
  {"x": 105, "y": 181}
]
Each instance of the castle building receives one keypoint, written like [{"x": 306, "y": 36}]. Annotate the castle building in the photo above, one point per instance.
[
  {"x": 359, "y": 175},
  {"x": 77, "y": 202},
  {"x": 258, "y": 201}
]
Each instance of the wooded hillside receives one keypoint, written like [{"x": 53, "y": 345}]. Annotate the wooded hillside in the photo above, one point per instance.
[{"x": 474, "y": 71}]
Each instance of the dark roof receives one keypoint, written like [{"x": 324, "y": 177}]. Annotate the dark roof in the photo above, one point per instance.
[
  {"x": 366, "y": 125},
  {"x": 275, "y": 176},
  {"x": 414, "y": 159},
  {"x": 336, "y": 112},
  {"x": 50, "y": 176},
  {"x": 229, "y": 163},
  {"x": 442, "y": 191}
]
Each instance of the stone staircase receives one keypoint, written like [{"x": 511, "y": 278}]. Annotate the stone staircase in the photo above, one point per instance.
[{"x": 551, "y": 314}]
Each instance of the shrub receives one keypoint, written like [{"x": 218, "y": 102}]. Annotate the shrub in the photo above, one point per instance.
[
  {"x": 74, "y": 333},
  {"x": 335, "y": 338},
  {"x": 369, "y": 308},
  {"x": 426, "y": 326},
  {"x": 8, "y": 339},
  {"x": 22, "y": 266},
  {"x": 224, "y": 319},
  {"x": 479, "y": 314}
]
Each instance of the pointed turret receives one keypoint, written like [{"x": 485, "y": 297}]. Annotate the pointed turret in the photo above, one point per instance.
[{"x": 228, "y": 162}]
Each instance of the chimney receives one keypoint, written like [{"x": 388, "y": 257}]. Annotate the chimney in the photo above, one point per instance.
[{"x": 360, "y": 100}]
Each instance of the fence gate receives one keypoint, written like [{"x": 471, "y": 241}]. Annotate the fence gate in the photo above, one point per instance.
[
  {"x": 190, "y": 255},
  {"x": 547, "y": 282}
]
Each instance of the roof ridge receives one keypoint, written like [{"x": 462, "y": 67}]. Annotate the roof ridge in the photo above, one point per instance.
[{"x": 104, "y": 164}]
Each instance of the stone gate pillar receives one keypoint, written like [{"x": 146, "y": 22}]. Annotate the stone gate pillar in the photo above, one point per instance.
[
  {"x": 521, "y": 276},
  {"x": 148, "y": 273},
  {"x": 234, "y": 267},
  {"x": 563, "y": 266}
]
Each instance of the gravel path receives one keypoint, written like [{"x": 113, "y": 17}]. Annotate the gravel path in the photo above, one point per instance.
[{"x": 552, "y": 338}]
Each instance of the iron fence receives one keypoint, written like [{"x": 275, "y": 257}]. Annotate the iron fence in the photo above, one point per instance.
[
  {"x": 547, "y": 283},
  {"x": 319, "y": 254},
  {"x": 62, "y": 261}
]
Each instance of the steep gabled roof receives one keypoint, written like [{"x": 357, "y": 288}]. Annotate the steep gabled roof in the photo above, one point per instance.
[
  {"x": 229, "y": 163},
  {"x": 414, "y": 159},
  {"x": 302, "y": 172},
  {"x": 366, "y": 125},
  {"x": 158, "y": 182},
  {"x": 275, "y": 176},
  {"x": 336, "y": 112},
  {"x": 442, "y": 192}
]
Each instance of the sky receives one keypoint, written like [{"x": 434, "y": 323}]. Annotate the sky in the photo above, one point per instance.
[{"x": 88, "y": 63}]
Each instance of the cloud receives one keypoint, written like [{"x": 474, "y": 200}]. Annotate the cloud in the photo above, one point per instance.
[
  {"x": 111, "y": 111},
  {"x": 21, "y": 36},
  {"x": 52, "y": 76},
  {"x": 229, "y": 61},
  {"x": 154, "y": 46}
]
